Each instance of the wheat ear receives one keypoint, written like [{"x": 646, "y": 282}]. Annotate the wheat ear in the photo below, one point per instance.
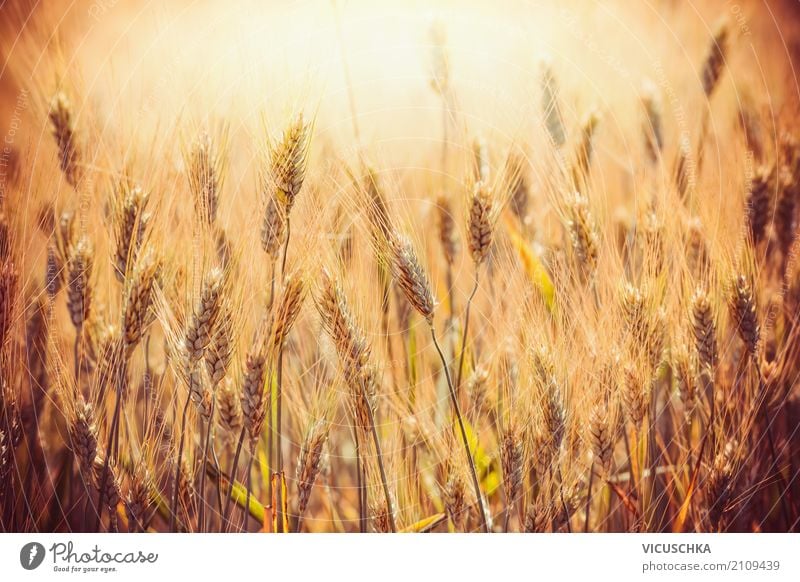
[
  {"x": 308, "y": 465},
  {"x": 62, "y": 123},
  {"x": 354, "y": 355}
]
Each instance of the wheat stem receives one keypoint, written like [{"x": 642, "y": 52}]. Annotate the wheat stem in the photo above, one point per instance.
[
  {"x": 104, "y": 475},
  {"x": 457, "y": 410},
  {"x": 466, "y": 331},
  {"x": 249, "y": 487},
  {"x": 588, "y": 499},
  {"x": 361, "y": 485},
  {"x": 278, "y": 431},
  {"x": 173, "y": 513},
  {"x": 286, "y": 246},
  {"x": 563, "y": 502},
  {"x": 272, "y": 270},
  {"x": 201, "y": 493},
  {"x": 218, "y": 469},
  {"x": 76, "y": 354},
  {"x": 379, "y": 454},
  {"x": 232, "y": 477}
]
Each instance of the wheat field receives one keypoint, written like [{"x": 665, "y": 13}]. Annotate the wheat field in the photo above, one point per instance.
[{"x": 373, "y": 267}]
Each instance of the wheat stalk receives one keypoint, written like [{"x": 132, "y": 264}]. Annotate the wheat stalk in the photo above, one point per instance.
[{"x": 288, "y": 310}]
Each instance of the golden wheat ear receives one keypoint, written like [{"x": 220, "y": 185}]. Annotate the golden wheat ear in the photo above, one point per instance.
[
  {"x": 411, "y": 278},
  {"x": 229, "y": 406},
  {"x": 131, "y": 221},
  {"x": 204, "y": 317},
  {"x": 221, "y": 348},
  {"x": 652, "y": 126},
  {"x": 308, "y": 462},
  {"x": 551, "y": 107},
  {"x": 715, "y": 58},
  {"x": 138, "y": 310},
  {"x": 207, "y": 165},
  {"x": 683, "y": 365},
  {"x": 140, "y": 499},
  {"x": 705, "y": 329},
  {"x": 455, "y": 500},
  {"x": 273, "y": 229},
  {"x": 512, "y": 463},
  {"x": 291, "y": 302},
  {"x": 289, "y": 158},
  {"x": 63, "y": 127},
  {"x": 519, "y": 186},
  {"x": 742, "y": 305},
  {"x": 253, "y": 397},
  {"x": 480, "y": 224},
  {"x": 79, "y": 282},
  {"x": 448, "y": 237},
  {"x": 583, "y": 234},
  {"x": 601, "y": 438},
  {"x": 584, "y": 149},
  {"x": 84, "y": 434}
]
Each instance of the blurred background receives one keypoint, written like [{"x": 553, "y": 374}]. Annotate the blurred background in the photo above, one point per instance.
[{"x": 253, "y": 58}]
